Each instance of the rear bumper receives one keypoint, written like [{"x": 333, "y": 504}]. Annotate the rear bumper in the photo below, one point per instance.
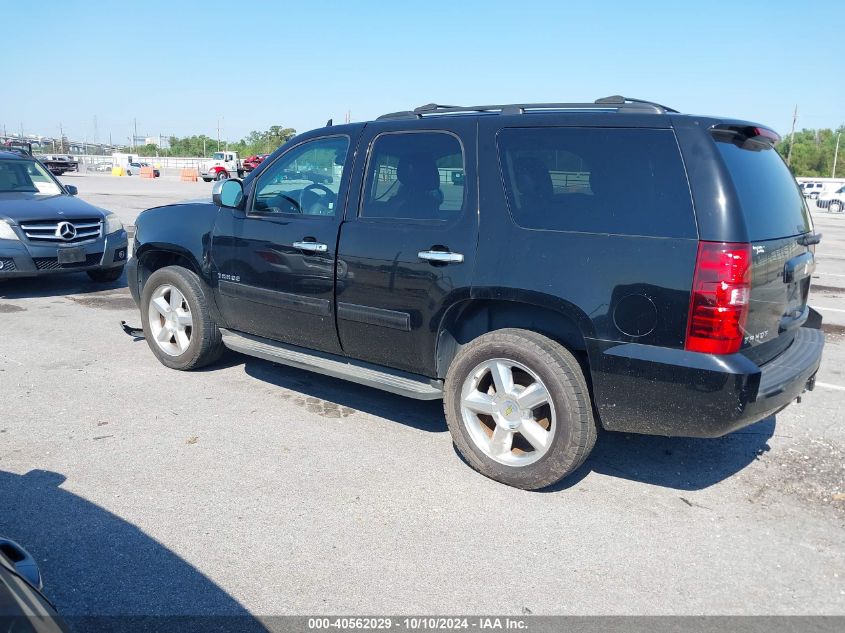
[
  {"x": 20, "y": 259},
  {"x": 662, "y": 391}
]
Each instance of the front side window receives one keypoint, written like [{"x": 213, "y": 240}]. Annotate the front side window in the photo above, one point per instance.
[
  {"x": 26, "y": 176},
  {"x": 306, "y": 180},
  {"x": 597, "y": 180},
  {"x": 415, "y": 175}
]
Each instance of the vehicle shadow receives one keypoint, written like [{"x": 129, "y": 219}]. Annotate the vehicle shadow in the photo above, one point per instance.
[
  {"x": 680, "y": 463},
  {"x": 424, "y": 415},
  {"x": 55, "y": 286},
  {"x": 103, "y": 573}
]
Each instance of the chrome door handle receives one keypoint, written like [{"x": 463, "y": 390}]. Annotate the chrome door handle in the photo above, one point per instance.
[
  {"x": 443, "y": 257},
  {"x": 311, "y": 247}
]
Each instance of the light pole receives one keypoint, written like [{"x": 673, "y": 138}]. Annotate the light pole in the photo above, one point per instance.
[
  {"x": 792, "y": 136},
  {"x": 835, "y": 155}
]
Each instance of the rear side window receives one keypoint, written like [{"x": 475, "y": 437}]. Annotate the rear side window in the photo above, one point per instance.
[
  {"x": 415, "y": 176},
  {"x": 597, "y": 180},
  {"x": 771, "y": 203}
]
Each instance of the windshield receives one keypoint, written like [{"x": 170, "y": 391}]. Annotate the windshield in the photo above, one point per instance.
[
  {"x": 27, "y": 176},
  {"x": 218, "y": 156}
]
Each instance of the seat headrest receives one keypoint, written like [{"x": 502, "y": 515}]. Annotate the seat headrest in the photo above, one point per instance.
[
  {"x": 533, "y": 177},
  {"x": 418, "y": 172}
]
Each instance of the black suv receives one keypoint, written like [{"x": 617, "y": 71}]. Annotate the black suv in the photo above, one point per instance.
[{"x": 542, "y": 268}]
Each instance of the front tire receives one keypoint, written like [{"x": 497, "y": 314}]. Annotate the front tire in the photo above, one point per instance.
[
  {"x": 835, "y": 207},
  {"x": 177, "y": 321},
  {"x": 518, "y": 408},
  {"x": 222, "y": 175},
  {"x": 106, "y": 275}
]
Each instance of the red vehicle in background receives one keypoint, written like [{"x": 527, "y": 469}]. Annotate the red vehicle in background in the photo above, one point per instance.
[{"x": 251, "y": 162}]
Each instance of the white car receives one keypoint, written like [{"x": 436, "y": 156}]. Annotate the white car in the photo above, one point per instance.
[{"x": 833, "y": 202}]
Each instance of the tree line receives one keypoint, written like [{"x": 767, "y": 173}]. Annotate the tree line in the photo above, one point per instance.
[
  {"x": 812, "y": 152},
  {"x": 200, "y": 145}
]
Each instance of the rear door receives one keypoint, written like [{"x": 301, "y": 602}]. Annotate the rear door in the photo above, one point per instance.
[
  {"x": 780, "y": 230},
  {"x": 407, "y": 247}
]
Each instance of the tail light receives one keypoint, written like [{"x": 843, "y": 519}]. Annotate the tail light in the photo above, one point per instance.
[{"x": 721, "y": 290}]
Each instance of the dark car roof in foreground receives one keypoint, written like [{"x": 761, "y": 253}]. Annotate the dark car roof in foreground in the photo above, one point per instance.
[{"x": 6, "y": 154}]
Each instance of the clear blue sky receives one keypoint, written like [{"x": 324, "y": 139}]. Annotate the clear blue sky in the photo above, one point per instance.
[{"x": 179, "y": 66}]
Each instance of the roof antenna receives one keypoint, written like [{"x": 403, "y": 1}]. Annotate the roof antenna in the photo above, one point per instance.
[{"x": 329, "y": 123}]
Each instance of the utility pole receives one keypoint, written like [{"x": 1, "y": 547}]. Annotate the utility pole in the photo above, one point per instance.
[
  {"x": 792, "y": 136},
  {"x": 135, "y": 134},
  {"x": 218, "y": 135},
  {"x": 835, "y": 155}
]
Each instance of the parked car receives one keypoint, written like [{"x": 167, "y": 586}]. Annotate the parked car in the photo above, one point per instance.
[
  {"x": 666, "y": 295},
  {"x": 45, "y": 229},
  {"x": 251, "y": 162},
  {"x": 23, "y": 608},
  {"x": 135, "y": 168},
  {"x": 834, "y": 202}
]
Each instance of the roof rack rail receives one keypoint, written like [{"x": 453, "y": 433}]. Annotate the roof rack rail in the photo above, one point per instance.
[
  {"x": 620, "y": 100},
  {"x": 616, "y": 103}
]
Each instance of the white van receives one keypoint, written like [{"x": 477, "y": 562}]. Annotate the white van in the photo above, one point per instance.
[{"x": 812, "y": 188}]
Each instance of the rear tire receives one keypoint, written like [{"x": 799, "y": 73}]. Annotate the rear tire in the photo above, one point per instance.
[
  {"x": 177, "y": 321},
  {"x": 106, "y": 275},
  {"x": 206, "y": 179},
  {"x": 540, "y": 425}
]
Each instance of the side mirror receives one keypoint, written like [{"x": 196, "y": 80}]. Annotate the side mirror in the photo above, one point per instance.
[
  {"x": 71, "y": 189},
  {"x": 228, "y": 193}
]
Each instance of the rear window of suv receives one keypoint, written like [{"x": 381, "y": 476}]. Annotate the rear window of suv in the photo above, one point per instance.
[
  {"x": 627, "y": 181},
  {"x": 771, "y": 201}
]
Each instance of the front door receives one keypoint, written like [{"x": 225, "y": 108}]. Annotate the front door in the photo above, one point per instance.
[
  {"x": 407, "y": 248},
  {"x": 275, "y": 261}
]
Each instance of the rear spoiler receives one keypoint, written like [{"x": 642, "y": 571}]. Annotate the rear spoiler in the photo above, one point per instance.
[{"x": 744, "y": 133}]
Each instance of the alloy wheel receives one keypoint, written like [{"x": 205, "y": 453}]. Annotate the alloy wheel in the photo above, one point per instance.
[
  {"x": 508, "y": 412},
  {"x": 171, "y": 322}
]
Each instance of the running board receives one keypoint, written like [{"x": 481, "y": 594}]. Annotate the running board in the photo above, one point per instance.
[{"x": 392, "y": 380}]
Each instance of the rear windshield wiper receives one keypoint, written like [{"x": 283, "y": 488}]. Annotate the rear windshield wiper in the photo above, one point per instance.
[{"x": 810, "y": 238}]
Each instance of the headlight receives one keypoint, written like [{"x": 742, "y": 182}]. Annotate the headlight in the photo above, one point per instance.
[
  {"x": 7, "y": 232},
  {"x": 113, "y": 224}
]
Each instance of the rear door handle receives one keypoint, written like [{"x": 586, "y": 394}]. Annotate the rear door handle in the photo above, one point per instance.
[
  {"x": 311, "y": 247},
  {"x": 442, "y": 257}
]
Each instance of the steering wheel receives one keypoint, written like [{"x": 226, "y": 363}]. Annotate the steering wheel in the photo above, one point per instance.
[{"x": 329, "y": 198}]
